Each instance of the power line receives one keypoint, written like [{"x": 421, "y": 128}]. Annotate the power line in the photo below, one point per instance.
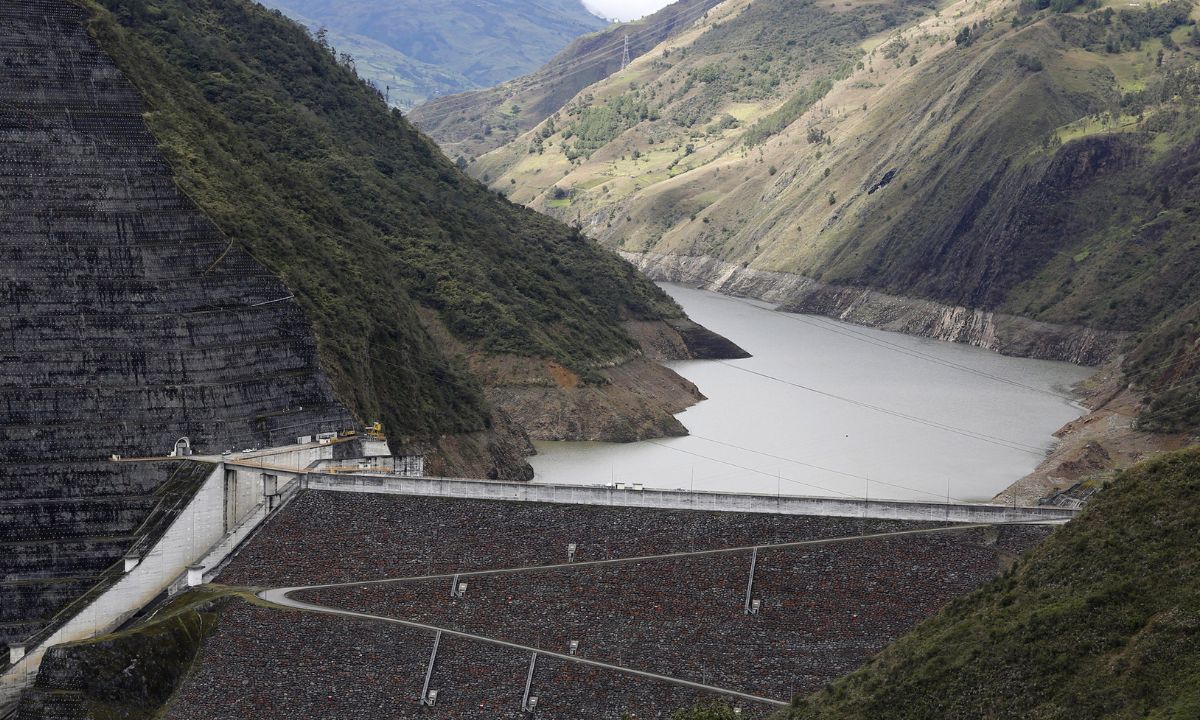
[
  {"x": 828, "y": 324},
  {"x": 819, "y": 467},
  {"x": 451, "y": 105},
  {"x": 983, "y": 437},
  {"x": 642, "y": 386},
  {"x": 846, "y": 331},
  {"x": 749, "y": 469}
]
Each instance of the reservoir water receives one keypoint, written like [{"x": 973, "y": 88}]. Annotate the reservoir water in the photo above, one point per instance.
[{"x": 831, "y": 409}]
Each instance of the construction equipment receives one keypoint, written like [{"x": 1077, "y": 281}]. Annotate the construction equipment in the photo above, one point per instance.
[{"x": 375, "y": 431}]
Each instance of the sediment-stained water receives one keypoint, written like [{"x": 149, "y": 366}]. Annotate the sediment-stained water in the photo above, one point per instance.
[{"x": 826, "y": 408}]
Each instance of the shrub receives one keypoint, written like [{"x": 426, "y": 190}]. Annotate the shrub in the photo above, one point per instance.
[{"x": 1029, "y": 62}]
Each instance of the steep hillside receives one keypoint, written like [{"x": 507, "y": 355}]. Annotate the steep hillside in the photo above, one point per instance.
[
  {"x": 1016, "y": 161},
  {"x": 128, "y": 321},
  {"x": 472, "y": 123},
  {"x": 213, "y": 229},
  {"x": 424, "y": 50},
  {"x": 411, "y": 273},
  {"x": 1100, "y": 621}
]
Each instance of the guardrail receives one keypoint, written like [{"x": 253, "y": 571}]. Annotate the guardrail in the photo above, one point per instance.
[{"x": 686, "y": 500}]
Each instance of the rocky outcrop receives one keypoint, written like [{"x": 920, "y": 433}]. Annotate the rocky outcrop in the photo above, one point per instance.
[
  {"x": 999, "y": 332},
  {"x": 1092, "y": 449},
  {"x": 627, "y": 399},
  {"x": 681, "y": 339},
  {"x": 632, "y": 401}
]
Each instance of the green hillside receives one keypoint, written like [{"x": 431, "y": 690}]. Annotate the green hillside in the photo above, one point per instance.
[
  {"x": 375, "y": 232},
  {"x": 1039, "y": 160},
  {"x": 1101, "y": 621},
  {"x": 424, "y": 50},
  {"x": 472, "y": 123}
]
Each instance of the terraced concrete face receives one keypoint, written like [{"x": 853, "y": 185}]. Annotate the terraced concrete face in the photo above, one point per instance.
[{"x": 128, "y": 320}]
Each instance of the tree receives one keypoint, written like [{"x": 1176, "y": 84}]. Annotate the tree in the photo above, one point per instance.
[{"x": 963, "y": 38}]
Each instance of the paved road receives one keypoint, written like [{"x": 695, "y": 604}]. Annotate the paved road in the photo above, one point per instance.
[
  {"x": 279, "y": 596},
  {"x": 282, "y": 597}
]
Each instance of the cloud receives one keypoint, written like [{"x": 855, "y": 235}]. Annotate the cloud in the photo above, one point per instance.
[{"x": 624, "y": 9}]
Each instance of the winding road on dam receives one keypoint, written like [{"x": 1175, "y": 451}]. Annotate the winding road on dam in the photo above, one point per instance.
[{"x": 282, "y": 597}]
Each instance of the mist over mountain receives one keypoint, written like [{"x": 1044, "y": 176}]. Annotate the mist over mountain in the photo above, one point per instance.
[{"x": 624, "y": 10}]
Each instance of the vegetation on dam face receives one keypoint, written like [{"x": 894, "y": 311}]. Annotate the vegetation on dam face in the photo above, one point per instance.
[
  {"x": 1035, "y": 161},
  {"x": 365, "y": 221},
  {"x": 131, "y": 674}
]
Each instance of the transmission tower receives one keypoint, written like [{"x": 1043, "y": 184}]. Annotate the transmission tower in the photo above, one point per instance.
[{"x": 625, "y": 54}]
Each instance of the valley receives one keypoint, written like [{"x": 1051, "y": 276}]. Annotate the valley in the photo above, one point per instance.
[
  {"x": 847, "y": 170},
  {"x": 776, "y": 359},
  {"x": 415, "y": 51},
  {"x": 831, "y": 409}
]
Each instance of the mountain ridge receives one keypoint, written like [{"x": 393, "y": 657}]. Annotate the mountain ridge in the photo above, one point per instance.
[
  {"x": 425, "y": 50},
  {"x": 412, "y": 274},
  {"x": 469, "y": 124},
  {"x": 973, "y": 156}
]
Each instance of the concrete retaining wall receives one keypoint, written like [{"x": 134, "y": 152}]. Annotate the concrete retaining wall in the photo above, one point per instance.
[
  {"x": 201, "y": 533},
  {"x": 684, "y": 500}
]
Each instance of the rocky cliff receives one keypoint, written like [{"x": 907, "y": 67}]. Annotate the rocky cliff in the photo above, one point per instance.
[
  {"x": 996, "y": 331},
  {"x": 129, "y": 321}
]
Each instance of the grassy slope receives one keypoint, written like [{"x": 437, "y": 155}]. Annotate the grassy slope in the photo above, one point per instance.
[
  {"x": 1067, "y": 193},
  {"x": 470, "y": 124},
  {"x": 361, "y": 216},
  {"x": 1101, "y": 621},
  {"x": 711, "y": 95},
  {"x": 429, "y": 49},
  {"x": 132, "y": 673}
]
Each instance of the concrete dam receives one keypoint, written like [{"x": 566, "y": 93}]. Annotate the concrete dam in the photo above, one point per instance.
[{"x": 131, "y": 322}]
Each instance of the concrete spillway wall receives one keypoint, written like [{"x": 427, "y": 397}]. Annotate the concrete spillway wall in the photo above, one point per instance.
[
  {"x": 684, "y": 500},
  {"x": 224, "y": 510},
  {"x": 197, "y": 527}
]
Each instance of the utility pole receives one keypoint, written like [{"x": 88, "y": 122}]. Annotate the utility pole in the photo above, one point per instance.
[
  {"x": 866, "y": 502},
  {"x": 625, "y": 54}
]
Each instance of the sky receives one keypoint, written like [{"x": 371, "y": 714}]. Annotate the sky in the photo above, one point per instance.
[{"x": 625, "y": 9}]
